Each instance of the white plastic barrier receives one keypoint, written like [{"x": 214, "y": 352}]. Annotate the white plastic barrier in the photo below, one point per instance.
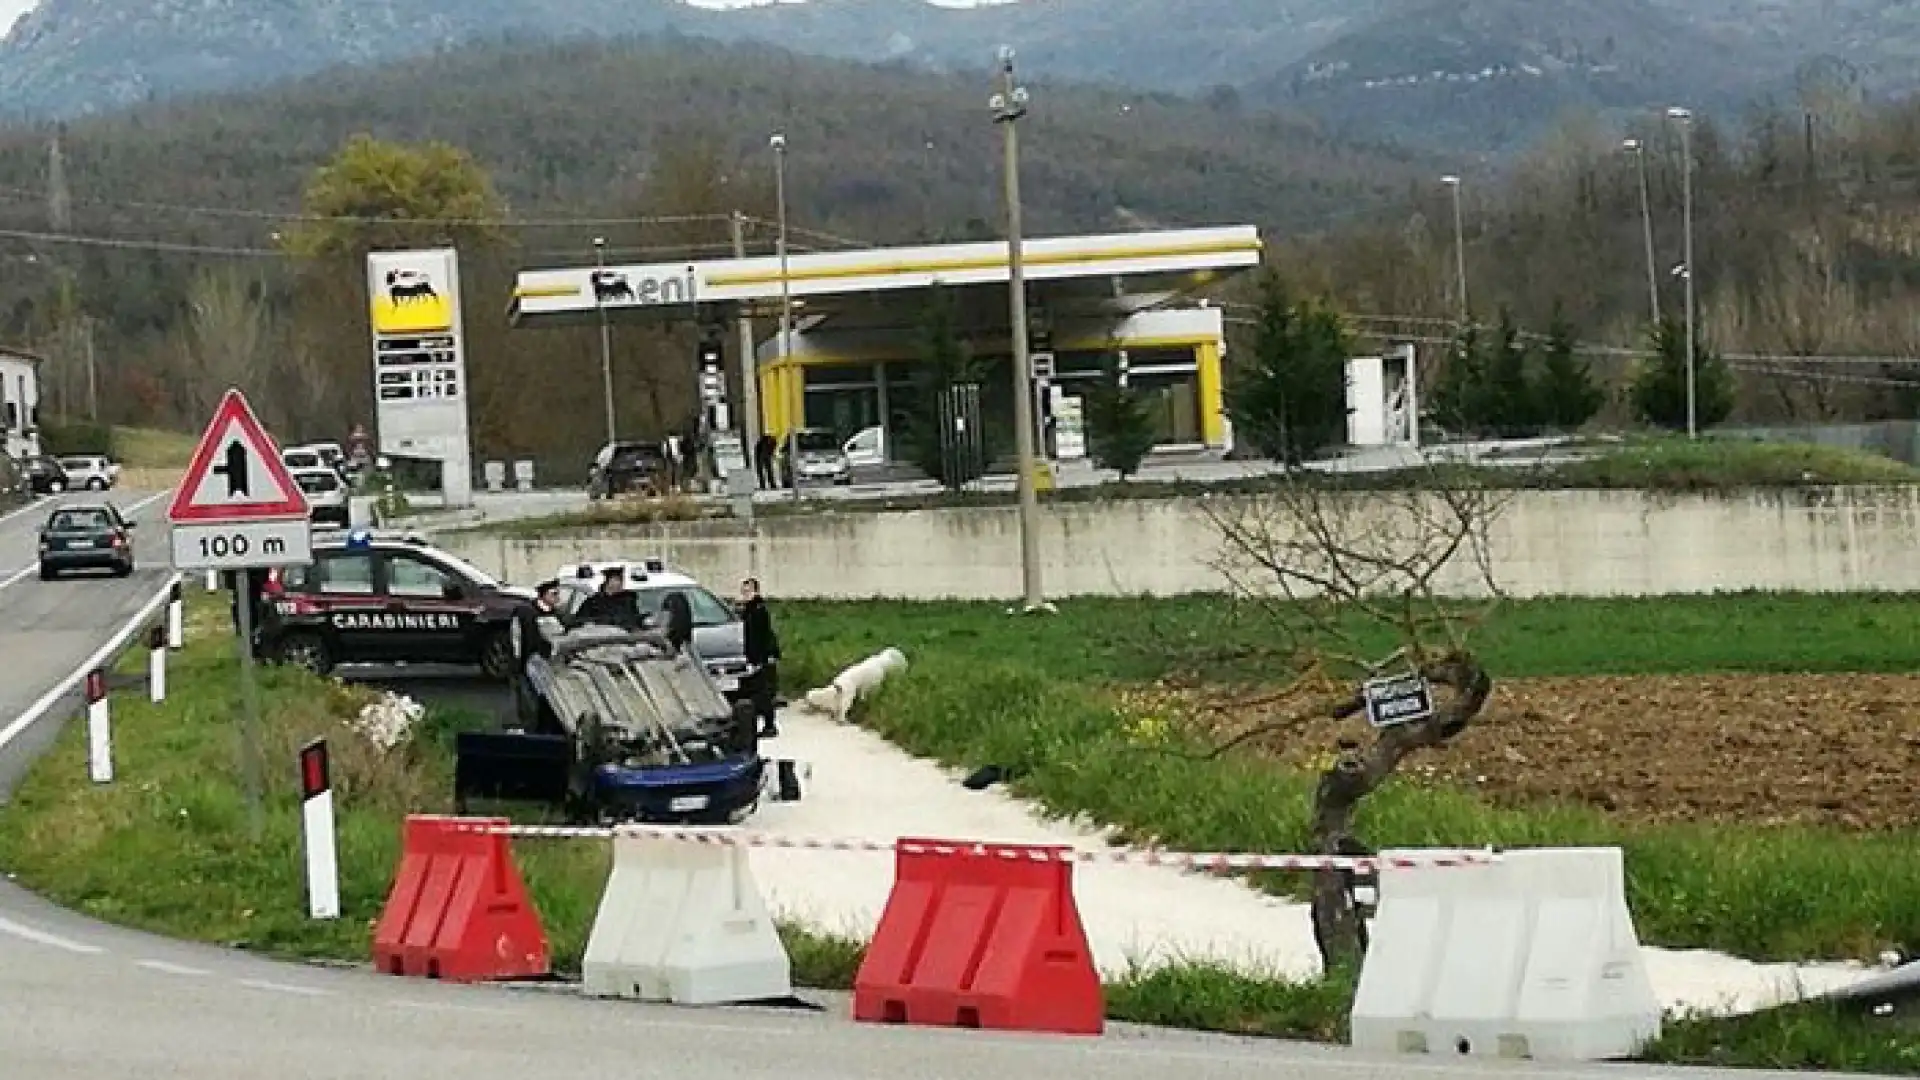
[
  {"x": 684, "y": 922},
  {"x": 837, "y": 697},
  {"x": 1532, "y": 957}
]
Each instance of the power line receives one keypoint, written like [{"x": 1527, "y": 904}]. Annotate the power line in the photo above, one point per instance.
[{"x": 296, "y": 216}]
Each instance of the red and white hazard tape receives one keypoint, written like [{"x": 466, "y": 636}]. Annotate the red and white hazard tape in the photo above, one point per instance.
[{"x": 1206, "y": 861}]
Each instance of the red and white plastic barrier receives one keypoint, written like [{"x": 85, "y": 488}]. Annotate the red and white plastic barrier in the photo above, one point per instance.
[
  {"x": 317, "y": 830},
  {"x": 99, "y": 728}
]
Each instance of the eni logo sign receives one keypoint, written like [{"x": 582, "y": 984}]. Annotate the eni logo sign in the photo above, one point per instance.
[{"x": 611, "y": 287}]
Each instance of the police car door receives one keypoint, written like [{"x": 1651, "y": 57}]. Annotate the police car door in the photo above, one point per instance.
[
  {"x": 340, "y": 585},
  {"x": 431, "y": 618}
]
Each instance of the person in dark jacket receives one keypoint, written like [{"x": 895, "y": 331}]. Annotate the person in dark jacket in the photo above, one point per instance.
[
  {"x": 613, "y": 605},
  {"x": 765, "y": 449},
  {"x": 676, "y": 614},
  {"x": 529, "y": 641},
  {"x": 763, "y": 655}
]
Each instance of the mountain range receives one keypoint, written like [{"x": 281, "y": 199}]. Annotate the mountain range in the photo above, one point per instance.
[{"x": 1483, "y": 74}]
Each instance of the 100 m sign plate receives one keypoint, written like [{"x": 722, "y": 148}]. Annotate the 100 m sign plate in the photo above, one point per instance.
[{"x": 243, "y": 545}]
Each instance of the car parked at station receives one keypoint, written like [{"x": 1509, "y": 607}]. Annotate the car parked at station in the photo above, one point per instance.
[
  {"x": 628, "y": 468},
  {"x": 327, "y": 501},
  {"x": 86, "y": 536},
  {"x": 44, "y": 475},
  {"x": 371, "y": 598}
]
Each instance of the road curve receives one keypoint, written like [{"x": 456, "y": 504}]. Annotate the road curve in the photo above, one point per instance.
[{"x": 80, "y": 1000}]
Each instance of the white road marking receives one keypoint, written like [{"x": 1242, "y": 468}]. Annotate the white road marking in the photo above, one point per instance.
[
  {"x": 41, "y": 937},
  {"x": 18, "y": 575},
  {"x": 106, "y": 652},
  {"x": 32, "y": 504},
  {"x": 284, "y": 988},
  {"x": 166, "y": 968},
  {"x": 438, "y": 1006}
]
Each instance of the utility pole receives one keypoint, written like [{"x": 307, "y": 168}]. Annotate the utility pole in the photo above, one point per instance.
[
  {"x": 1685, "y": 117},
  {"x": 74, "y": 320},
  {"x": 1639, "y": 152},
  {"x": 606, "y": 341},
  {"x": 1459, "y": 247},
  {"x": 749, "y": 366},
  {"x": 779, "y": 144},
  {"x": 1008, "y": 106}
]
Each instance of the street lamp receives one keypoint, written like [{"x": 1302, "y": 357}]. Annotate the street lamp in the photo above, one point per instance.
[
  {"x": 1639, "y": 152},
  {"x": 1008, "y": 106},
  {"x": 1459, "y": 245},
  {"x": 606, "y": 341},
  {"x": 779, "y": 144},
  {"x": 1685, "y": 119}
]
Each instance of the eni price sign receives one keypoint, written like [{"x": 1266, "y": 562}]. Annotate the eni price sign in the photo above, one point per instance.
[{"x": 420, "y": 361}]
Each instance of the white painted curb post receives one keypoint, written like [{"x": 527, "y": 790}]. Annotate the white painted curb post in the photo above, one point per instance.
[
  {"x": 213, "y": 581},
  {"x": 316, "y": 814},
  {"x": 176, "y": 628},
  {"x": 99, "y": 731},
  {"x": 157, "y": 665}
]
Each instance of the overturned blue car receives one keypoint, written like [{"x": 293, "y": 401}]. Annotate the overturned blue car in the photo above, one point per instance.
[{"x": 618, "y": 725}]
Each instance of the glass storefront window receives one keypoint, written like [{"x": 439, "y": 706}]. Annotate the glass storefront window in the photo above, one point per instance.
[{"x": 1173, "y": 399}]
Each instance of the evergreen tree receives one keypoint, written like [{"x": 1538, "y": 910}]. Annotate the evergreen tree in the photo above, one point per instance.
[
  {"x": 1459, "y": 396},
  {"x": 1119, "y": 424},
  {"x": 946, "y": 367},
  {"x": 1509, "y": 400},
  {"x": 1659, "y": 388},
  {"x": 1565, "y": 394},
  {"x": 1289, "y": 400}
]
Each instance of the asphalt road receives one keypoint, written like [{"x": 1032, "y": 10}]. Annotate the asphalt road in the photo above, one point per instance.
[{"x": 80, "y": 1000}]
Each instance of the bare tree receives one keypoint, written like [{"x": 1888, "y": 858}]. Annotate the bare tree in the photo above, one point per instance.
[
  {"x": 1337, "y": 574},
  {"x": 224, "y": 342}
]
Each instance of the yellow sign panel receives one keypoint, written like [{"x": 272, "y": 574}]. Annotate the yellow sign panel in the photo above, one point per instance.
[{"x": 411, "y": 302}]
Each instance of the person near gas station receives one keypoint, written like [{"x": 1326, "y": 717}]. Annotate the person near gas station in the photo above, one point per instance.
[
  {"x": 762, "y": 682},
  {"x": 614, "y": 604},
  {"x": 529, "y": 640}
]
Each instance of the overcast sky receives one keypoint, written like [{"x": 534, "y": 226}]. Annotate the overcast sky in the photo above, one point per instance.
[{"x": 11, "y": 10}]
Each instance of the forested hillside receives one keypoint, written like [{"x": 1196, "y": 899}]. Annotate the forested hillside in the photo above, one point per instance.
[{"x": 573, "y": 137}]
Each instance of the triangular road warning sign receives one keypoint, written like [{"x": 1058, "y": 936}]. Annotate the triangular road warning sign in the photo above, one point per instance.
[{"x": 236, "y": 473}]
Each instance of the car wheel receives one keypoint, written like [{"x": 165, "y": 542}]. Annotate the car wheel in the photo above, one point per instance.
[
  {"x": 496, "y": 656},
  {"x": 48, "y": 573},
  {"x": 125, "y": 569},
  {"x": 56, "y": 486},
  {"x": 96, "y": 484},
  {"x": 306, "y": 651}
]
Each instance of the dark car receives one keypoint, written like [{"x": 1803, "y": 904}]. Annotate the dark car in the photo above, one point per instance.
[
  {"x": 367, "y": 599},
  {"x": 623, "y": 468},
  {"x": 88, "y": 536},
  {"x": 44, "y": 475}
]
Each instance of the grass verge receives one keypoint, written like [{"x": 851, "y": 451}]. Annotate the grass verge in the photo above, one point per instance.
[{"x": 164, "y": 847}]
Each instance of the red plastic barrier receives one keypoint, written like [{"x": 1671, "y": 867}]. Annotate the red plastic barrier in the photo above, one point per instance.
[
  {"x": 981, "y": 935},
  {"x": 459, "y": 910}
]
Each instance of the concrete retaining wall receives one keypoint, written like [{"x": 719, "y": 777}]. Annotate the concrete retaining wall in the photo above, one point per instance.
[{"x": 1576, "y": 543}]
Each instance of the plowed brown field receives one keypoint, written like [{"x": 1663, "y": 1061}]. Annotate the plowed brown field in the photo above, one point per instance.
[{"x": 1761, "y": 749}]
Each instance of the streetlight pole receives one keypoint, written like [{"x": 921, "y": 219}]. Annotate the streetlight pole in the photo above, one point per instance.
[
  {"x": 606, "y": 342},
  {"x": 1459, "y": 246},
  {"x": 1008, "y": 106},
  {"x": 1639, "y": 152},
  {"x": 1685, "y": 117},
  {"x": 779, "y": 144}
]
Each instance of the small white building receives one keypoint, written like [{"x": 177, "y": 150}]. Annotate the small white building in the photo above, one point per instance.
[{"x": 19, "y": 403}]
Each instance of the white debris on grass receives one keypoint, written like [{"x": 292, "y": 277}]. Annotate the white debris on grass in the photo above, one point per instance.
[
  {"x": 388, "y": 721},
  {"x": 864, "y": 787}
]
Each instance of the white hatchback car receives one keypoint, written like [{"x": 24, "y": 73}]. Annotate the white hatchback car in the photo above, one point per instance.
[
  {"x": 326, "y": 496},
  {"x": 92, "y": 472}
]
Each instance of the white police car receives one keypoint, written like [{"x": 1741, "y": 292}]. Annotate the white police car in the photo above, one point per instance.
[{"x": 719, "y": 637}]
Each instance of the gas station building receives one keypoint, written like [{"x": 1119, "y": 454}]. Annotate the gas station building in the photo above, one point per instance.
[{"x": 858, "y": 318}]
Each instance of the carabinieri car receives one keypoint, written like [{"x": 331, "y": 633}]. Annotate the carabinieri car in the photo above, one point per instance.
[{"x": 371, "y": 599}]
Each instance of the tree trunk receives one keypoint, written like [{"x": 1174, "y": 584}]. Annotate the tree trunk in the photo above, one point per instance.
[{"x": 1354, "y": 775}]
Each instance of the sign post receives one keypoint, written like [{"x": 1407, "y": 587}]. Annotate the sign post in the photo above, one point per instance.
[{"x": 238, "y": 510}]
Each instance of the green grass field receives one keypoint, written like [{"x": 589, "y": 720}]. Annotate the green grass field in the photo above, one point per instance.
[{"x": 164, "y": 847}]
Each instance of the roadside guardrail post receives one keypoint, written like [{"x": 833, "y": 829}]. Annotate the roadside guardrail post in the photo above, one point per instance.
[
  {"x": 176, "y": 617},
  {"x": 99, "y": 730},
  {"x": 316, "y": 820},
  {"x": 157, "y": 665}
]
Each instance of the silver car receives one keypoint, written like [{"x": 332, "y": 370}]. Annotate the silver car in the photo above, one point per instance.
[
  {"x": 326, "y": 495},
  {"x": 93, "y": 472}
]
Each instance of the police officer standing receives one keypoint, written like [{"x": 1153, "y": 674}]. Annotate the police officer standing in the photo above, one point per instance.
[
  {"x": 763, "y": 655},
  {"x": 613, "y": 605},
  {"x": 529, "y": 641}
]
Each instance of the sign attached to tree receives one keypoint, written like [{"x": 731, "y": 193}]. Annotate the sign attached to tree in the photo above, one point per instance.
[{"x": 1394, "y": 700}]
